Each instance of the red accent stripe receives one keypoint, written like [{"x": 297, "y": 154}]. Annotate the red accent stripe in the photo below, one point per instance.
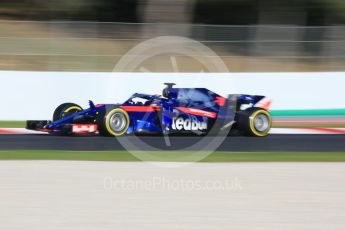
[
  {"x": 141, "y": 108},
  {"x": 197, "y": 112},
  {"x": 220, "y": 101},
  {"x": 84, "y": 128}
]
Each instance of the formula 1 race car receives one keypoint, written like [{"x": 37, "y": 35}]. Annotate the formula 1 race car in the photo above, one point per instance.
[{"x": 177, "y": 111}]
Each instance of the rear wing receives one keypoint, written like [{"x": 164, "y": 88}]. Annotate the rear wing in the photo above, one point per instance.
[{"x": 244, "y": 101}]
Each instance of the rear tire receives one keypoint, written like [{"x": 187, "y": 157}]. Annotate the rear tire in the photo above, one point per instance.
[
  {"x": 65, "y": 110},
  {"x": 113, "y": 121},
  {"x": 255, "y": 122}
]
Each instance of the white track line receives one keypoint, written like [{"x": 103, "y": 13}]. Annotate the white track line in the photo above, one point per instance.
[{"x": 307, "y": 131}]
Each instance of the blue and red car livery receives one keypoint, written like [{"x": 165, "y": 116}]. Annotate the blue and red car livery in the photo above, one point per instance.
[{"x": 196, "y": 111}]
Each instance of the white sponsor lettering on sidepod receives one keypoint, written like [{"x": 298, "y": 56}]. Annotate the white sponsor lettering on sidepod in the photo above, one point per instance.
[{"x": 191, "y": 123}]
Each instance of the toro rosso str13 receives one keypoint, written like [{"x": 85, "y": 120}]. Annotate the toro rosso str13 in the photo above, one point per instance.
[{"x": 176, "y": 111}]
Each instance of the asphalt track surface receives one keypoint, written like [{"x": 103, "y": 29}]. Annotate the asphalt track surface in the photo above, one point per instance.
[
  {"x": 73, "y": 195},
  {"x": 278, "y": 142}
]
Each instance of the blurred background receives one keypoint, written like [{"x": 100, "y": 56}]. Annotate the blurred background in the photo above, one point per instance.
[{"x": 249, "y": 35}]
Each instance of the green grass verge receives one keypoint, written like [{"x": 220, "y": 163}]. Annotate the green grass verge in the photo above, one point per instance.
[
  {"x": 12, "y": 124},
  {"x": 175, "y": 156}
]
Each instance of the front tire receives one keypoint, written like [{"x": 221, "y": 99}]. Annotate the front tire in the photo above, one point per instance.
[
  {"x": 113, "y": 121},
  {"x": 65, "y": 110},
  {"x": 255, "y": 122}
]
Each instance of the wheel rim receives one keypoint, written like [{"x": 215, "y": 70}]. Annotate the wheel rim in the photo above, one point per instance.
[
  {"x": 261, "y": 122},
  {"x": 118, "y": 122}
]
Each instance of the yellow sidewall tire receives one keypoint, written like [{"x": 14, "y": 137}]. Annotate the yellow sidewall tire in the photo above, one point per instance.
[
  {"x": 107, "y": 122},
  {"x": 253, "y": 131},
  {"x": 72, "y": 108}
]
